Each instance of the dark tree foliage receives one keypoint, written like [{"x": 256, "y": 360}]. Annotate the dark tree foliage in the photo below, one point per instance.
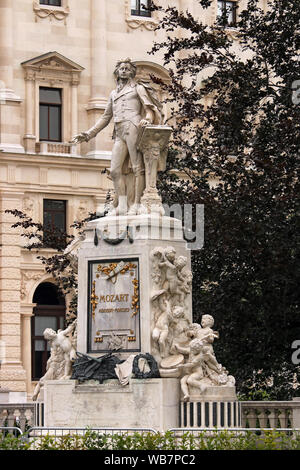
[{"x": 240, "y": 129}]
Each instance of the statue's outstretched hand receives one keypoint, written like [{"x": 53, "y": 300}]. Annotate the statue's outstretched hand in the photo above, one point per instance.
[
  {"x": 82, "y": 137},
  {"x": 144, "y": 123}
]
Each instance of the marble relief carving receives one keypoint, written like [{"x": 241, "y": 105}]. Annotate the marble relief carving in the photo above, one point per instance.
[
  {"x": 171, "y": 281},
  {"x": 26, "y": 277},
  {"x": 184, "y": 349}
]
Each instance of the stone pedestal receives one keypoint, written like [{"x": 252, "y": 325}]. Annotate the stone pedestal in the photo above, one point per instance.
[
  {"x": 215, "y": 407},
  {"x": 4, "y": 396},
  {"x": 115, "y": 281},
  {"x": 115, "y": 310},
  {"x": 151, "y": 404}
]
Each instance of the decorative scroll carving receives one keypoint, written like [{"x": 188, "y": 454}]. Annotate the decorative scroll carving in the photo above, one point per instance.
[
  {"x": 94, "y": 299},
  {"x": 26, "y": 277},
  {"x": 135, "y": 22},
  {"x": 28, "y": 206},
  {"x": 49, "y": 11}
]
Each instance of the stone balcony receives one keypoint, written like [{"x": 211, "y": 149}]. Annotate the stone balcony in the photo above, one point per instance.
[{"x": 56, "y": 148}]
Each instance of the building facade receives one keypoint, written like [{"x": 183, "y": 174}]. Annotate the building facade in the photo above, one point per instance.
[{"x": 56, "y": 71}]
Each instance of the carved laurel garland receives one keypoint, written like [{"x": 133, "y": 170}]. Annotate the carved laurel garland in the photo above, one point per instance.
[
  {"x": 45, "y": 11},
  {"x": 136, "y": 22}
]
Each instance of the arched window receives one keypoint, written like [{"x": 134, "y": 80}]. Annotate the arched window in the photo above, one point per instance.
[{"x": 48, "y": 313}]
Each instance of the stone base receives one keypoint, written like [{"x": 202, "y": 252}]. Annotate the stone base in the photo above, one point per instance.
[
  {"x": 216, "y": 407},
  {"x": 213, "y": 393},
  {"x": 151, "y": 404}
]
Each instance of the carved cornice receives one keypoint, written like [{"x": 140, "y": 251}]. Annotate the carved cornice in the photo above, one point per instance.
[
  {"x": 52, "y": 66},
  {"x": 136, "y": 22},
  {"x": 48, "y": 11}
]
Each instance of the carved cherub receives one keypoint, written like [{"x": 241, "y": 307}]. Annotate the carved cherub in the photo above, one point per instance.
[
  {"x": 157, "y": 257},
  {"x": 161, "y": 330},
  {"x": 184, "y": 277},
  {"x": 179, "y": 327},
  {"x": 170, "y": 269},
  {"x": 204, "y": 332},
  {"x": 200, "y": 360}
]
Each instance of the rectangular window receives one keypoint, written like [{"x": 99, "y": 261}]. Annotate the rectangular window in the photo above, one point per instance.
[
  {"x": 50, "y": 114},
  {"x": 227, "y": 12},
  {"x": 54, "y": 213},
  {"x": 140, "y": 8},
  {"x": 54, "y": 3}
]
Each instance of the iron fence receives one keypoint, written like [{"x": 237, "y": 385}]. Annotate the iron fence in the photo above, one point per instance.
[{"x": 13, "y": 430}]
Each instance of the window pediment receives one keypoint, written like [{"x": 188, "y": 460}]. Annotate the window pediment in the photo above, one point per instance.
[
  {"x": 50, "y": 70},
  {"x": 51, "y": 65}
]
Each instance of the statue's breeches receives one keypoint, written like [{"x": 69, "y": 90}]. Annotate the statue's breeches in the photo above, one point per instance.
[{"x": 126, "y": 134}]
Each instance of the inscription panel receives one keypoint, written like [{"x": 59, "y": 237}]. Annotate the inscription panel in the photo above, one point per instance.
[{"x": 113, "y": 305}]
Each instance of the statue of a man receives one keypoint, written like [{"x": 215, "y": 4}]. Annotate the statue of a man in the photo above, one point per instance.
[
  {"x": 131, "y": 105},
  {"x": 63, "y": 353}
]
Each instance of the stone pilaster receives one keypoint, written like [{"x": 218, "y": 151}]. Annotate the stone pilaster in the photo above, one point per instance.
[
  {"x": 9, "y": 101},
  {"x": 12, "y": 373},
  {"x": 99, "y": 92},
  {"x": 27, "y": 313},
  {"x": 29, "y": 137}
]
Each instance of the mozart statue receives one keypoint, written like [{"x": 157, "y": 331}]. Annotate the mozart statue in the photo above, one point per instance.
[{"x": 132, "y": 106}]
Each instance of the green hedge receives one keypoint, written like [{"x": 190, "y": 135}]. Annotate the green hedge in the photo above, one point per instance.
[{"x": 221, "y": 440}]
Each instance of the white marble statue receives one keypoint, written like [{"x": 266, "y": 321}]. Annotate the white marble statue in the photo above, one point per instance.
[
  {"x": 160, "y": 332},
  {"x": 170, "y": 273},
  {"x": 201, "y": 369},
  {"x": 199, "y": 360},
  {"x": 180, "y": 328},
  {"x": 171, "y": 286},
  {"x": 132, "y": 106},
  {"x": 62, "y": 355},
  {"x": 71, "y": 252}
]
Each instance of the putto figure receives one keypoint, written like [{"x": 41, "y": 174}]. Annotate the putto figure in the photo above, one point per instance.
[{"x": 132, "y": 105}]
